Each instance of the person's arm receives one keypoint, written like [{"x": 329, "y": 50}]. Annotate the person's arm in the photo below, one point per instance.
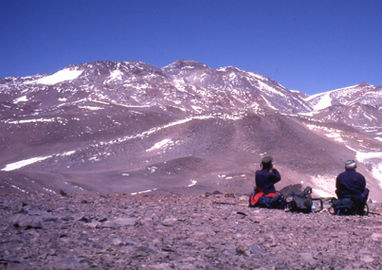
[
  {"x": 275, "y": 176},
  {"x": 338, "y": 187},
  {"x": 363, "y": 183},
  {"x": 365, "y": 191}
]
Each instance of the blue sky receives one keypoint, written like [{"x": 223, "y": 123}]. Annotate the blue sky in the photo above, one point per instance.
[{"x": 308, "y": 45}]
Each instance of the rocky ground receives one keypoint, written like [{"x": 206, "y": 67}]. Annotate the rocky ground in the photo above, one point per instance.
[{"x": 175, "y": 231}]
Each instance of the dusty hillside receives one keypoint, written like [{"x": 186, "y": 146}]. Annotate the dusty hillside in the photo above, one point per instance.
[
  {"x": 130, "y": 126},
  {"x": 172, "y": 231}
]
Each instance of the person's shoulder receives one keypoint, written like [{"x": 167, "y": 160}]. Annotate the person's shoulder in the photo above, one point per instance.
[
  {"x": 261, "y": 172},
  {"x": 360, "y": 174}
]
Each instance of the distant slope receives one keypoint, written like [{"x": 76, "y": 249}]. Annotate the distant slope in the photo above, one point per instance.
[{"x": 133, "y": 127}]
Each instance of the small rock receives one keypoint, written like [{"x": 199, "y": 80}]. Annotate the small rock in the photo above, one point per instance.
[
  {"x": 26, "y": 222},
  {"x": 367, "y": 258},
  {"x": 85, "y": 219},
  {"x": 376, "y": 236},
  {"x": 125, "y": 221},
  {"x": 244, "y": 198},
  {"x": 307, "y": 257},
  {"x": 168, "y": 249},
  {"x": 63, "y": 193},
  {"x": 169, "y": 221},
  {"x": 160, "y": 266},
  {"x": 241, "y": 252},
  {"x": 117, "y": 242},
  {"x": 255, "y": 249}
]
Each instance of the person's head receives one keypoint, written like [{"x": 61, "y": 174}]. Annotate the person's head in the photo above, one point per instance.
[
  {"x": 350, "y": 164},
  {"x": 266, "y": 162}
]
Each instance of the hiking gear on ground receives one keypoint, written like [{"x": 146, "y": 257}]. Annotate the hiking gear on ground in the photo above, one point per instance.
[
  {"x": 347, "y": 206},
  {"x": 301, "y": 201},
  {"x": 351, "y": 206},
  {"x": 271, "y": 200},
  {"x": 275, "y": 202}
]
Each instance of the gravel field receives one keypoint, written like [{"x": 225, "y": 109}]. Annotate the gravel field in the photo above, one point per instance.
[{"x": 179, "y": 231}]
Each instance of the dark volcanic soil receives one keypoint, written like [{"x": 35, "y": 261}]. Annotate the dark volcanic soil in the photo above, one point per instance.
[{"x": 173, "y": 231}]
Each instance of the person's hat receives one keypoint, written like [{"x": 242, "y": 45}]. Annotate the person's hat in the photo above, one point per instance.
[
  {"x": 267, "y": 160},
  {"x": 350, "y": 164}
]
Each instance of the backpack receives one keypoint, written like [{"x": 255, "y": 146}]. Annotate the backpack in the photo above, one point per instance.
[
  {"x": 344, "y": 206},
  {"x": 272, "y": 200},
  {"x": 301, "y": 201}
]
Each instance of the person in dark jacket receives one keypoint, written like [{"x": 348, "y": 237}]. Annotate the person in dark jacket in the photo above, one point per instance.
[
  {"x": 265, "y": 194},
  {"x": 267, "y": 177},
  {"x": 351, "y": 184}
]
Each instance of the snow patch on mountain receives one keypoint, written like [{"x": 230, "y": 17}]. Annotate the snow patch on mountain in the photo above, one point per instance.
[
  {"x": 63, "y": 75},
  {"x": 269, "y": 89},
  {"x": 377, "y": 173},
  {"x": 91, "y": 108},
  {"x": 193, "y": 183},
  {"x": 116, "y": 75},
  {"x": 363, "y": 156},
  {"x": 143, "y": 191},
  {"x": 324, "y": 102},
  {"x": 26, "y": 162},
  {"x": 269, "y": 104},
  {"x": 27, "y": 121},
  {"x": 20, "y": 99},
  {"x": 332, "y": 133},
  {"x": 22, "y": 163},
  {"x": 159, "y": 145},
  {"x": 326, "y": 184},
  {"x": 258, "y": 76},
  {"x": 169, "y": 125}
]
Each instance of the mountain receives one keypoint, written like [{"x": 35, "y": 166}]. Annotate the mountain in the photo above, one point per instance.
[
  {"x": 359, "y": 106},
  {"x": 133, "y": 127},
  {"x": 363, "y": 93}
]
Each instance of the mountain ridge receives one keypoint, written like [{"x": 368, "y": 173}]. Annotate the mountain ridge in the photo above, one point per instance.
[{"x": 129, "y": 126}]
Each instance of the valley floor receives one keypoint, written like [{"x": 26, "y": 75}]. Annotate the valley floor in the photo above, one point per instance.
[{"x": 175, "y": 231}]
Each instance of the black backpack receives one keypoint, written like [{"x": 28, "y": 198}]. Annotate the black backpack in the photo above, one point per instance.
[
  {"x": 347, "y": 206},
  {"x": 301, "y": 201},
  {"x": 343, "y": 206}
]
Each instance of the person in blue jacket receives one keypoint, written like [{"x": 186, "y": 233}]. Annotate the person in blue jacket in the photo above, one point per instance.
[
  {"x": 265, "y": 194},
  {"x": 267, "y": 177},
  {"x": 351, "y": 184}
]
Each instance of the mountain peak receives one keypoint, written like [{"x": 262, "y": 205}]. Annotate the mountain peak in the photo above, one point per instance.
[
  {"x": 185, "y": 63},
  {"x": 364, "y": 84},
  {"x": 229, "y": 68}
]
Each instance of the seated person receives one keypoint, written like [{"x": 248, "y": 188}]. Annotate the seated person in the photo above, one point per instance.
[
  {"x": 352, "y": 185},
  {"x": 265, "y": 194}
]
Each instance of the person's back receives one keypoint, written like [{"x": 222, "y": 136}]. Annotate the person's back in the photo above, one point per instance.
[
  {"x": 352, "y": 185},
  {"x": 266, "y": 178},
  {"x": 264, "y": 194}
]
